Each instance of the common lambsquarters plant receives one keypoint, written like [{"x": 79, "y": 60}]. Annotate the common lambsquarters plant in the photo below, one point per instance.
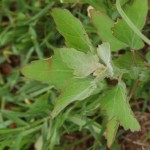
[{"x": 79, "y": 70}]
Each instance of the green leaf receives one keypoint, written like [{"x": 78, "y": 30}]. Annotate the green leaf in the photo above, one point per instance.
[
  {"x": 84, "y": 123},
  {"x": 104, "y": 24},
  {"x": 72, "y": 30},
  {"x": 126, "y": 64},
  {"x": 39, "y": 142},
  {"x": 137, "y": 12},
  {"x": 104, "y": 53},
  {"x": 77, "y": 89},
  {"x": 112, "y": 127},
  {"x": 14, "y": 117},
  {"x": 116, "y": 104},
  {"x": 51, "y": 71},
  {"x": 125, "y": 61},
  {"x": 40, "y": 107},
  {"x": 82, "y": 64}
]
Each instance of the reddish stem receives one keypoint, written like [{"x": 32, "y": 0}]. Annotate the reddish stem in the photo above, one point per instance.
[{"x": 134, "y": 88}]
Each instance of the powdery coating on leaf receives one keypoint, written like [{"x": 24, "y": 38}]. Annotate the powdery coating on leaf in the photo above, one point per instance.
[
  {"x": 116, "y": 105},
  {"x": 104, "y": 54},
  {"x": 82, "y": 64}
]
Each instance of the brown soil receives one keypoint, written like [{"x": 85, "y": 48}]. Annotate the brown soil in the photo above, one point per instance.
[{"x": 138, "y": 140}]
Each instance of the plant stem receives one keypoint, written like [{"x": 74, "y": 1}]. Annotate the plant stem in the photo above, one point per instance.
[
  {"x": 130, "y": 23},
  {"x": 134, "y": 88},
  {"x": 79, "y": 141},
  {"x": 133, "y": 57},
  {"x": 140, "y": 56}
]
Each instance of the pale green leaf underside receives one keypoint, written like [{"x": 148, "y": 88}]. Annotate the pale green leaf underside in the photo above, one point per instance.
[
  {"x": 72, "y": 30},
  {"x": 52, "y": 71},
  {"x": 104, "y": 53},
  {"x": 104, "y": 24},
  {"x": 77, "y": 89},
  {"x": 116, "y": 105},
  {"x": 82, "y": 64},
  {"x": 137, "y": 13}
]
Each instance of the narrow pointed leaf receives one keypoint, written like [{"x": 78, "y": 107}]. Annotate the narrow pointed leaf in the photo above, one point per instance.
[
  {"x": 116, "y": 105},
  {"x": 112, "y": 127},
  {"x": 84, "y": 122},
  {"x": 72, "y": 30}
]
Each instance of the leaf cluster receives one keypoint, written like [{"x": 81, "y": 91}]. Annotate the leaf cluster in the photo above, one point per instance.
[{"x": 79, "y": 73}]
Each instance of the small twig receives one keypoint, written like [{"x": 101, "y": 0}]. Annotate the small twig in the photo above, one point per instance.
[
  {"x": 137, "y": 143},
  {"x": 79, "y": 141},
  {"x": 134, "y": 88},
  {"x": 140, "y": 56},
  {"x": 133, "y": 57}
]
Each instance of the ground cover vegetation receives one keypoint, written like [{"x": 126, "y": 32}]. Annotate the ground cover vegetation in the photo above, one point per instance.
[{"x": 74, "y": 74}]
